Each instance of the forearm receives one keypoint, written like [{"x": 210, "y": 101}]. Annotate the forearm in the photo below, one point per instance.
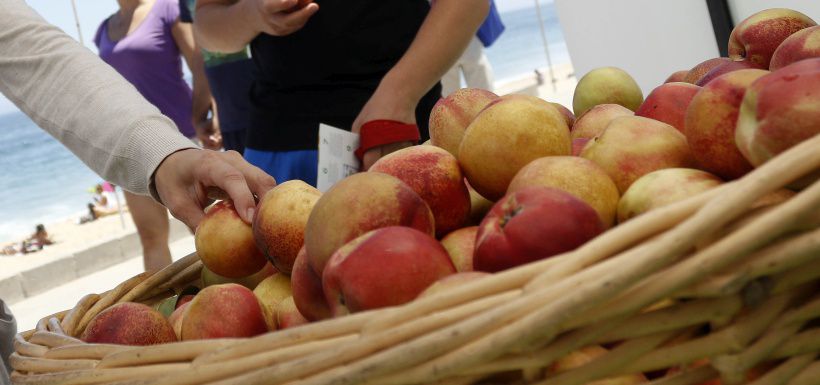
[
  {"x": 201, "y": 88},
  {"x": 430, "y": 56},
  {"x": 69, "y": 92},
  {"x": 222, "y": 26}
]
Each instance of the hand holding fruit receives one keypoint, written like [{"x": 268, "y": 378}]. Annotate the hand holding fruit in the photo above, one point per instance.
[{"x": 184, "y": 178}]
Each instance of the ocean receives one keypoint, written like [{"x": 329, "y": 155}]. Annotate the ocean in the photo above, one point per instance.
[{"x": 43, "y": 182}]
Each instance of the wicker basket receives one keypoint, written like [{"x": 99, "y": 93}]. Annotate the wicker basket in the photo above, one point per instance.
[{"x": 739, "y": 282}]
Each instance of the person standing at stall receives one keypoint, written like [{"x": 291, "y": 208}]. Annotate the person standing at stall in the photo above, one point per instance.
[
  {"x": 143, "y": 41},
  {"x": 370, "y": 66},
  {"x": 229, "y": 78}
]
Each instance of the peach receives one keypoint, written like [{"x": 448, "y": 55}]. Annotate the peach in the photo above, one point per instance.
[
  {"x": 308, "y": 295},
  {"x": 531, "y": 224},
  {"x": 479, "y": 206},
  {"x": 578, "y": 145},
  {"x": 222, "y": 311},
  {"x": 569, "y": 117},
  {"x": 585, "y": 356},
  {"x": 702, "y": 68},
  {"x": 710, "y": 124},
  {"x": 593, "y": 122},
  {"x": 580, "y": 177},
  {"x": 288, "y": 316},
  {"x": 779, "y": 111},
  {"x": 803, "y": 44},
  {"x": 663, "y": 187},
  {"x": 281, "y": 217},
  {"x": 758, "y": 36},
  {"x": 435, "y": 175},
  {"x": 460, "y": 245},
  {"x": 225, "y": 243},
  {"x": 725, "y": 68},
  {"x": 210, "y": 278},
  {"x": 677, "y": 76},
  {"x": 183, "y": 299},
  {"x": 129, "y": 323},
  {"x": 632, "y": 146},
  {"x": 384, "y": 267},
  {"x": 606, "y": 85},
  {"x": 668, "y": 102},
  {"x": 452, "y": 114},
  {"x": 358, "y": 204},
  {"x": 452, "y": 281},
  {"x": 511, "y": 132},
  {"x": 176, "y": 319},
  {"x": 270, "y": 293}
]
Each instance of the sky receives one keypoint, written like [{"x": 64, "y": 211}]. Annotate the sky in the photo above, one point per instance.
[{"x": 92, "y": 12}]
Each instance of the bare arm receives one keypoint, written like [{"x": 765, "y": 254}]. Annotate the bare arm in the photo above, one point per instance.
[
  {"x": 202, "y": 102},
  {"x": 230, "y": 25},
  {"x": 424, "y": 63},
  {"x": 430, "y": 56}
]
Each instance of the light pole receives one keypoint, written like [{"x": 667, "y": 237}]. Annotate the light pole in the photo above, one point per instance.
[
  {"x": 77, "y": 21},
  {"x": 546, "y": 44}
]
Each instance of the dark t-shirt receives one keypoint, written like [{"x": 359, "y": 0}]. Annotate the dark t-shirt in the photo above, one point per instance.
[
  {"x": 230, "y": 78},
  {"x": 326, "y": 71}
]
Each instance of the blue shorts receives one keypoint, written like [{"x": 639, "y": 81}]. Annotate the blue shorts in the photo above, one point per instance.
[{"x": 286, "y": 165}]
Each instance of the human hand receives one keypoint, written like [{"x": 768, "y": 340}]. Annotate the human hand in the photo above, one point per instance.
[
  {"x": 282, "y": 17},
  {"x": 387, "y": 105},
  {"x": 207, "y": 132},
  {"x": 187, "y": 180},
  {"x": 208, "y": 135}
]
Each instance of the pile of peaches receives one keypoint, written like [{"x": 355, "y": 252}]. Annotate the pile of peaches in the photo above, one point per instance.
[{"x": 505, "y": 180}]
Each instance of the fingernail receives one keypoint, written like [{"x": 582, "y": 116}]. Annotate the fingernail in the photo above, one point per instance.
[{"x": 250, "y": 214}]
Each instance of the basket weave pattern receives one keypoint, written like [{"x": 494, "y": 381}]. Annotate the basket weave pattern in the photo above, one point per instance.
[{"x": 747, "y": 273}]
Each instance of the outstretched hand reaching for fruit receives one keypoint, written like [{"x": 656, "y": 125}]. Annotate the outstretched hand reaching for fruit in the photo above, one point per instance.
[{"x": 185, "y": 179}]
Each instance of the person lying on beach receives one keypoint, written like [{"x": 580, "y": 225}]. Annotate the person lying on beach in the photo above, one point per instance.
[
  {"x": 11, "y": 249},
  {"x": 104, "y": 202},
  {"x": 40, "y": 236},
  {"x": 36, "y": 241}
]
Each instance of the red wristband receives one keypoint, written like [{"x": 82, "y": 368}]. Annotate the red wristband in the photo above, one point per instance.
[{"x": 377, "y": 133}]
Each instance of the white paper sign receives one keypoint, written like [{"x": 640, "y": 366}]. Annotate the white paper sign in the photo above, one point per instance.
[{"x": 337, "y": 158}]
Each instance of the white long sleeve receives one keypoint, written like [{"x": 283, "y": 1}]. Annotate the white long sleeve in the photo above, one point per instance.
[{"x": 81, "y": 101}]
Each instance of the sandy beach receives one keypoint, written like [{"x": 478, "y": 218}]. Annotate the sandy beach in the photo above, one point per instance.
[{"x": 78, "y": 250}]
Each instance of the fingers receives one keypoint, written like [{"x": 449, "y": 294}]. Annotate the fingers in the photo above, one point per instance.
[
  {"x": 370, "y": 157},
  {"x": 186, "y": 210},
  {"x": 215, "y": 171},
  {"x": 188, "y": 179},
  {"x": 258, "y": 181},
  {"x": 282, "y": 22},
  {"x": 274, "y": 6}
]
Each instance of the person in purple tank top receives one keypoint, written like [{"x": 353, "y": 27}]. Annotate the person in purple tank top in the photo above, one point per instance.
[{"x": 143, "y": 42}]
